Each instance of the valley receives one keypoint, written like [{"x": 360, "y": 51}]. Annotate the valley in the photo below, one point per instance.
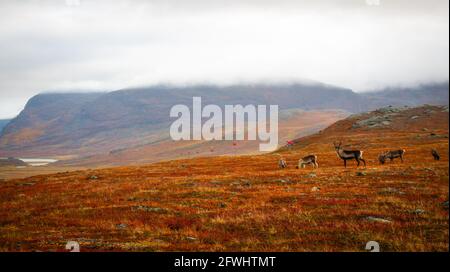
[
  {"x": 131, "y": 126},
  {"x": 293, "y": 123},
  {"x": 245, "y": 202}
]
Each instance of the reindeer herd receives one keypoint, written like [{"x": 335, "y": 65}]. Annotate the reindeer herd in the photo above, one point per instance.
[{"x": 356, "y": 155}]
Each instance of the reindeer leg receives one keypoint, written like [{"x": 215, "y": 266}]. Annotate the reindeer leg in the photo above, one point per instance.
[
  {"x": 345, "y": 163},
  {"x": 364, "y": 161}
]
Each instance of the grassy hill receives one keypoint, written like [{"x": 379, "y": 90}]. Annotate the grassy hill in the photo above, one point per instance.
[
  {"x": 78, "y": 126},
  {"x": 292, "y": 124},
  {"x": 245, "y": 203}
]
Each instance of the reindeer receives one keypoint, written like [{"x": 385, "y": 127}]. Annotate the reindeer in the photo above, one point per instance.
[
  {"x": 311, "y": 159},
  {"x": 391, "y": 155},
  {"x": 282, "y": 163},
  {"x": 435, "y": 154},
  {"x": 349, "y": 154}
]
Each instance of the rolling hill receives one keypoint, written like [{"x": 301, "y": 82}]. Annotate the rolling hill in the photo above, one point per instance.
[
  {"x": 245, "y": 203},
  {"x": 135, "y": 121},
  {"x": 292, "y": 124},
  {"x": 89, "y": 124}
]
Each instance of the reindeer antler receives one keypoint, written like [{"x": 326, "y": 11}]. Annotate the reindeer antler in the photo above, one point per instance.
[{"x": 337, "y": 144}]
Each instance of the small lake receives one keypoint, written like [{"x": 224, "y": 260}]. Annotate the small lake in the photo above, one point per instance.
[{"x": 38, "y": 162}]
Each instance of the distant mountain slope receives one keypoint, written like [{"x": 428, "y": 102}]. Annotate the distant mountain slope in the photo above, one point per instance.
[
  {"x": 87, "y": 124},
  {"x": 3, "y": 124},
  {"x": 292, "y": 124},
  {"x": 46, "y": 119},
  {"x": 433, "y": 94},
  {"x": 246, "y": 203}
]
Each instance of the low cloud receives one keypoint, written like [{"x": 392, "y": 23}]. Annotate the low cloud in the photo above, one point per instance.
[{"x": 108, "y": 45}]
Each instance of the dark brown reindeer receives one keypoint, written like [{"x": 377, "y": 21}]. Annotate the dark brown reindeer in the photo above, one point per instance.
[
  {"x": 435, "y": 154},
  {"x": 346, "y": 155},
  {"x": 310, "y": 159},
  {"x": 391, "y": 155}
]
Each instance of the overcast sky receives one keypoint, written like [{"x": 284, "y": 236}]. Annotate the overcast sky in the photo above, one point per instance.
[{"x": 54, "y": 45}]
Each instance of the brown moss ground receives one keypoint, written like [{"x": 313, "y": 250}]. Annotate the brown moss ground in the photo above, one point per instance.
[{"x": 244, "y": 203}]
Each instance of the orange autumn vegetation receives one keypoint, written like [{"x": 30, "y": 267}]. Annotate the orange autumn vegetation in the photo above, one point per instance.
[{"x": 245, "y": 203}]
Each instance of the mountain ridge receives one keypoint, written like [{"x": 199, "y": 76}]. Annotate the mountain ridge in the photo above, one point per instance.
[
  {"x": 86, "y": 124},
  {"x": 200, "y": 204}
]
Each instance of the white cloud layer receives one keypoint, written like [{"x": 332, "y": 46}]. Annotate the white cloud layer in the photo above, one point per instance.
[{"x": 107, "y": 45}]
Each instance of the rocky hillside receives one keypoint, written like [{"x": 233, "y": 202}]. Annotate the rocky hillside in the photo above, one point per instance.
[
  {"x": 246, "y": 203},
  {"x": 80, "y": 125},
  {"x": 292, "y": 124},
  {"x": 394, "y": 128}
]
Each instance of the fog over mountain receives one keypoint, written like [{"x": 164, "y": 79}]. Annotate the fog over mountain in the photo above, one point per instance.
[
  {"x": 84, "y": 124},
  {"x": 111, "y": 45}
]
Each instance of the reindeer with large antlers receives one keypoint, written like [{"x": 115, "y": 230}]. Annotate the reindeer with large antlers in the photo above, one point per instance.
[{"x": 346, "y": 155}]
